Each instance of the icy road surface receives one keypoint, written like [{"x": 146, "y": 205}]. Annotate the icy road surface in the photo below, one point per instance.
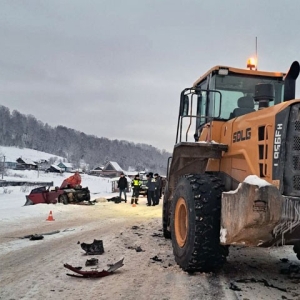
[{"x": 34, "y": 269}]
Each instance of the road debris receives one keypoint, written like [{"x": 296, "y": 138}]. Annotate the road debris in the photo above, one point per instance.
[
  {"x": 155, "y": 258},
  {"x": 91, "y": 262},
  {"x": 68, "y": 229},
  {"x": 234, "y": 287},
  {"x": 29, "y": 236},
  {"x": 137, "y": 248},
  {"x": 264, "y": 281},
  {"x": 94, "y": 274},
  {"x": 36, "y": 237},
  {"x": 293, "y": 271},
  {"x": 95, "y": 248},
  {"x": 138, "y": 234},
  {"x": 134, "y": 227},
  {"x": 157, "y": 234}
]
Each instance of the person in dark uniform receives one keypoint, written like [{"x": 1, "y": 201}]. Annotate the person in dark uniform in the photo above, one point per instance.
[
  {"x": 152, "y": 186},
  {"x": 158, "y": 188},
  {"x": 135, "y": 183},
  {"x": 122, "y": 185}
]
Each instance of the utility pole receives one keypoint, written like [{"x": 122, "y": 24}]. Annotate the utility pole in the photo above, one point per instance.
[{"x": 3, "y": 166}]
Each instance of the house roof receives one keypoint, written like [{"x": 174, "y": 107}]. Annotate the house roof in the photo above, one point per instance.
[
  {"x": 66, "y": 165},
  {"x": 56, "y": 167},
  {"x": 115, "y": 165},
  {"x": 98, "y": 168},
  {"x": 27, "y": 161}
]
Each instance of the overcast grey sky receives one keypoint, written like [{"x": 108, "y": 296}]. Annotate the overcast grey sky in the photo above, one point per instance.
[{"x": 115, "y": 69}]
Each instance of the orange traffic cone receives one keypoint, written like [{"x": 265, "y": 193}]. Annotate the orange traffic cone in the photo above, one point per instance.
[{"x": 50, "y": 217}]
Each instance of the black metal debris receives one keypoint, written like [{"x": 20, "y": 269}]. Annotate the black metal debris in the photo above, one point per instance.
[
  {"x": 155, "y": 258},
  {"x": 36, "y": 237},
  {"x": 91, "y": 262},
  {"x": 95, "y": 248}
]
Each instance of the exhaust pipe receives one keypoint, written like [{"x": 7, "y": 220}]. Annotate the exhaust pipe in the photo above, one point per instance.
[{"x": 290, "y": 81}]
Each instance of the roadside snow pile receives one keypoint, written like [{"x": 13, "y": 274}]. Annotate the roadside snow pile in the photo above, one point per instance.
[
  {"x": 251, "y": 179},
  {"x": 207, "y": 142},
  {"x": 255, "y": 180}
]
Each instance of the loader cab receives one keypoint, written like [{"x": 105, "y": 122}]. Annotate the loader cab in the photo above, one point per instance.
[{"x": 222, "y": 94}]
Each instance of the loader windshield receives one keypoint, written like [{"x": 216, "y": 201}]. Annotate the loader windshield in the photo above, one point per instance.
[
  {"x": 233, "y": 87},
  {"x": 221, "y": 97}
]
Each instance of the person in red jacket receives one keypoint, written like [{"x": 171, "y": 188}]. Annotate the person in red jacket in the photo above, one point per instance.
[{"x": 72, "y": 181}]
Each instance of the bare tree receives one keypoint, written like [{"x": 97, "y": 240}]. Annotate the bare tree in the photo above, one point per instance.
[{"x": 20, "y": 130}]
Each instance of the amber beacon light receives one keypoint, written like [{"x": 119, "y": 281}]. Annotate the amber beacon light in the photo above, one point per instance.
[{"x": 251, "y": 63}]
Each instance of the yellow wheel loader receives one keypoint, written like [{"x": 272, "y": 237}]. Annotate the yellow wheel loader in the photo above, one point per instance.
[{"x": 234, "y": 175}]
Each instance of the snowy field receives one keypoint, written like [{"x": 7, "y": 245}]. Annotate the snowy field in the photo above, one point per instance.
[
  {"x": 12, "y": 199},
  {"x": 13, "y": 153}
]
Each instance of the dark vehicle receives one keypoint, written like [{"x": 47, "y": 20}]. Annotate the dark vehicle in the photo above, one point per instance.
[{"x": 143, "y": 188}]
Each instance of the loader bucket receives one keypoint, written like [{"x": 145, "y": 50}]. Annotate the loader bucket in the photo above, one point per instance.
[
  {"x": 259, "y": 216},
  {"x": 28, "y": 201}
]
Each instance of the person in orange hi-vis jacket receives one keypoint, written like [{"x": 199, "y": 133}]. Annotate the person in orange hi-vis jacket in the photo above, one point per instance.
[{"x": 72, "y": 181}]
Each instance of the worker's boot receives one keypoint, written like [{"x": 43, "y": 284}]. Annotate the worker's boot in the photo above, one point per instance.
[
  {"x": 132, "y": 200},
  {"x": 136, "y": 200}
]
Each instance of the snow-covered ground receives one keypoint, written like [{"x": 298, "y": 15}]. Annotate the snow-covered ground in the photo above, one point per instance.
[
  {"x": 13, "y": 153},
  {"x": 34, "y": 269}
]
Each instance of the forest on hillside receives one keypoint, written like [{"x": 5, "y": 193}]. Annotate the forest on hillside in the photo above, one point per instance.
[{"x": 25, "y": 131}]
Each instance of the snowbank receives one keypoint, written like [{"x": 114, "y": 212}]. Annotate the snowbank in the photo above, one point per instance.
[{"x": 255, "y": 180}]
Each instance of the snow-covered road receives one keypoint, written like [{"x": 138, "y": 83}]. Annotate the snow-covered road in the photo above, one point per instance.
[{"x": 34, "y": 269}]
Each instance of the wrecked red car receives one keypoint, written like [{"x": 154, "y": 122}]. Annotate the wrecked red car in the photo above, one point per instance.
[{"x": 55, "y": 195}]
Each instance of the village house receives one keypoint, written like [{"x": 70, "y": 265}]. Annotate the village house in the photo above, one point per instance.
[
  {"x": 9, "y": 163},
  {"x": 66, "y": 167},
  {"x": 54, "y": 169},
  {"x": 97, "y": 171},
  {"x": 112, "y": 169},
  {"x": 26, "y": 164}
]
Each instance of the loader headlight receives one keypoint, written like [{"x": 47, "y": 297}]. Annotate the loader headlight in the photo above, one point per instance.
[{"x": 223, "y": 71}]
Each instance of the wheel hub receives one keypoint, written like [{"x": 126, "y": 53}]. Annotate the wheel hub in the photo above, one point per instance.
[{"x": 181, "y": 222}]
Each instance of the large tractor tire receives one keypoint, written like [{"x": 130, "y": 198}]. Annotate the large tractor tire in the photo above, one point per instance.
[
  {"x": 166, "y": 215},
  {"x": 296, "y": 249},
  {"x": 195, "y": 223}
]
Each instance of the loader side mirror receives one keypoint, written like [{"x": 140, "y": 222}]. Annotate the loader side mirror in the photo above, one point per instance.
[{"x": 184, "y": 106}]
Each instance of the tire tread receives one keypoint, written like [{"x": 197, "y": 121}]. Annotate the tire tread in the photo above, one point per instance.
[{"x": 207, "y": 253}]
